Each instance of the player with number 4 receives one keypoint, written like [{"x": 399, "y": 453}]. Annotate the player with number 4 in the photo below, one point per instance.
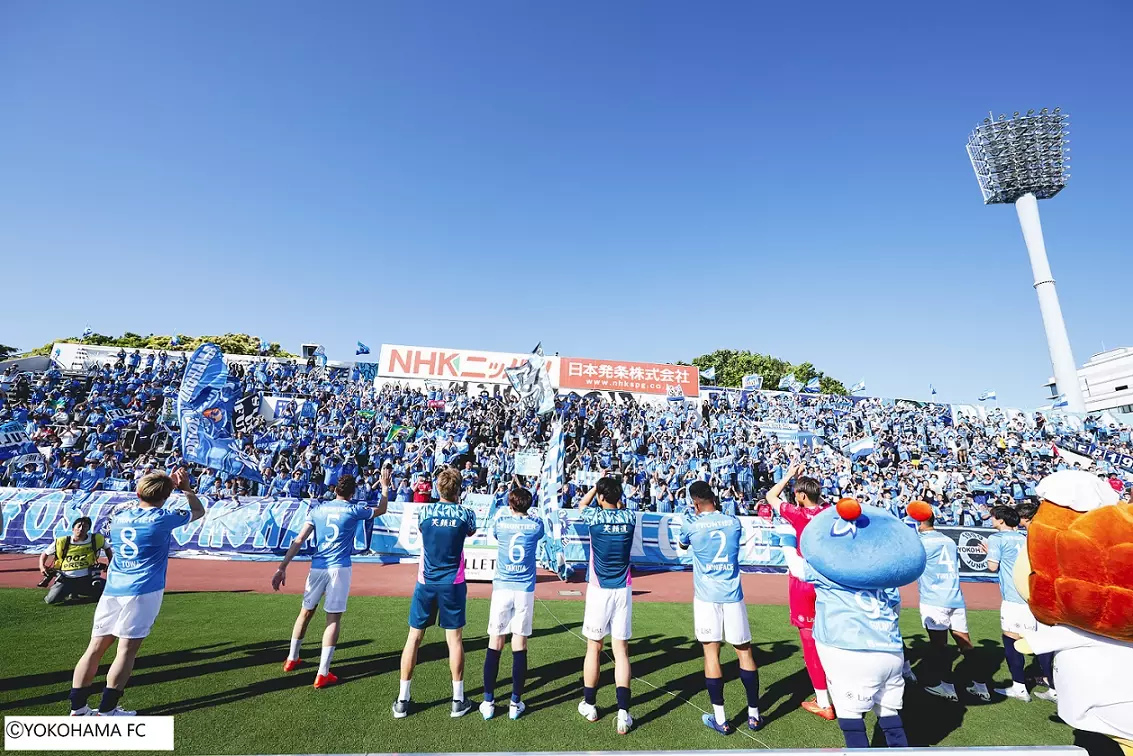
[
  {"x": 333, "y": 524},
  {"x": 513, "y": 599},
  {"x": 135, "y": 585}
]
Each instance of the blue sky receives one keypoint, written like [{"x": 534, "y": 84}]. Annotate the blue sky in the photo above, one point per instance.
[{"x": 637, "y": 180}]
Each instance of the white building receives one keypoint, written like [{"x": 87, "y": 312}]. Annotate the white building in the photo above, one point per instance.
[{"x": 1107, "y": 381}]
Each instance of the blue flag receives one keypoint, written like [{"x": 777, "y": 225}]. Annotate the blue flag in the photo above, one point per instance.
[
  {"x": 362, "y": 349},
  {"x": 708, "y": 374},
  {"x": 265, "y": 347},
  {"x": 812, "y": 385},
  {"x": 175, "y": 340},
  {"x": 87, "y": 332},
  {"x": 205, "y": 406},
  {"x": 933, "y": 390},
  {"x": 859, "y": 386},
  {"x": 989, "y": 394},
  {"x": 785, "y": 382}
]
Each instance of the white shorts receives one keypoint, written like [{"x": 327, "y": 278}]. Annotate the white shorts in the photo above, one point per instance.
[
  {"x": 126, "y": 616},
  {"x": 511, "y": 612},
  {"x": 721, "y": 622},
  {"x": 1016, "y": 618},
  {"x": 860, "y": 680},
  {"x": 609, "y": 611},
  {"x": 943, "y": 618},
  {"x": 332, "y": 582}
]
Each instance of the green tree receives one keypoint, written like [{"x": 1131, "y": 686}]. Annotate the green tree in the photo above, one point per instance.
[
  {"x": 7, "y": 351},
  {"x": 732, "y": 365},
  {"x": 230, "y": 343}
]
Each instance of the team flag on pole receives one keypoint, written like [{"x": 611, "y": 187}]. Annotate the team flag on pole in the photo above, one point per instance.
[
  {"x": 88, "y": 332},
  {"x": 812, "y": 385},
  {"x": 753, "y": 382},
  {"x": 708, "y": 374},
  {"x": 932, "y": 389},
  {"x": 989, "y": 394},
  {"x": 550, "y": 486},
  {"x": 532, "y": 382},
  {"x": 362, "y": 349},
  {"x": 205, "y": 406},
  {"x": 859, "y": 386}
]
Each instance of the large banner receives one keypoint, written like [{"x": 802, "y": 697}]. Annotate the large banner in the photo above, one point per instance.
[
  {"x": 440, "y": 364},
  {"x": 263, "y": 528},
  {"x": 635, "y": 377},
  {"x": 15, "y": 446}
]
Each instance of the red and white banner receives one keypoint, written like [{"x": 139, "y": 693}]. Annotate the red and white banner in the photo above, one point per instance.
[
  {"x": 582, "y": 374},
  {"x": 440, "y": 364}
]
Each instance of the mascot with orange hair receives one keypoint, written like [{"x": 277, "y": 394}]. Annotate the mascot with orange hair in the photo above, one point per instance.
[{"x": 1078, "y": 581}]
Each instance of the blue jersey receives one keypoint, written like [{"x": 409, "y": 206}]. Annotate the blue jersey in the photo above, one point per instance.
[
  {"x": 335, "y": 523},
  {"x": 515, "y": 563},
  {"x": 1004, "y": 546},
  {"x": 715, "y": 541},
  {"x": 611, "y": 540},
  {"x": 443, "y": 530},
  {"x": 140, "y": 537},
  {"x": 939, "y": 584},
  {"x": 855, "y": 620}
]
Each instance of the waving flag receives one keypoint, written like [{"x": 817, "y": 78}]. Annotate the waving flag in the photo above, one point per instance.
[
  {"x": 205, "y": 406},
  {"x": 550, "y": 486},
  {"x": 265, "y": 347},
  {"x": 859, "y": 449},
  {"x": 989, "y": 394},
  {"x": 785, "y": 382},
  {"x": 708, "y": 374},
  {"x": 812, "y": 385},
  {"x": 362, "y": 349},
  {"x": 859, "y": 386},
  {"x": 1059, "y": 402},
  {"x": 933, "y": 390},
  {"x": 87, "y": 332},
  {"x": 675, "y": 395},
  {"x": 175, "y": 340},
  {"x": 752, "y": 382},
  {"x": 531, "y": 381}
]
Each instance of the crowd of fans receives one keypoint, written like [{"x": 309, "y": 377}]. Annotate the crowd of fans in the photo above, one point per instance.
[{"x": 104, "y": 429}]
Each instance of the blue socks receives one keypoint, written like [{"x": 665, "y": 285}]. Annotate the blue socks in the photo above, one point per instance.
[
  {"x": 79, "y": 697},
  {"x": 588, "y": 694},
  {"x": 853, "y": 730},
  {"x": 715, "y": 687},
  {"x": 110, "y": 698},
  {"x": 623, "y": 698},
  {"x": 491, "y": 670},
  {"x": 518, "y": 674},
  {"x": 1046, "y": 663},
  {"x": 893, "y": 730},
  {"x": 1015, "y": 661},
  {"x": 750, "y": 679}
]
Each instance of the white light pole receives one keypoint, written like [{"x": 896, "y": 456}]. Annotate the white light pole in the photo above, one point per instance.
[{"x": 1020, "y": 160}]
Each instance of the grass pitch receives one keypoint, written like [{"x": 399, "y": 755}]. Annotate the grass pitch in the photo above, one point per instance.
[{"x": 214, "y": 661}]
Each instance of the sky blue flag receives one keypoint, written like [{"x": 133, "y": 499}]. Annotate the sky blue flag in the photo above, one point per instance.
[
  {"x": 175, "y": 340},
  {"x": 1060, "y": 401},
  {"x": 362, "y": 349},
  {"x": 87, "y": 332},
  {"x": 785, "y": 382},
  {"x": 205, "y": 405},
  {"x": 265, "y": 347},
  {"x": 933, "y": 390},
  {"x": 859, "y": 386},
  {"x": 989, "y": 394},
  {"x": 859, "y": 449},
  {"x": 708, "y": 374},
  {"x": 320, "y": 356},
  {"x": 812, "y": 385},
  {"x": 753, "y": 382}
]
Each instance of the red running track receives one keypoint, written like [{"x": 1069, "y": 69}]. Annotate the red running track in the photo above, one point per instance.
[{"x": 368, "y": 579}]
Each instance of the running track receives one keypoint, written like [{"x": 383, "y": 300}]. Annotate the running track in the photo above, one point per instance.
[{"x": 22, "y": 571}]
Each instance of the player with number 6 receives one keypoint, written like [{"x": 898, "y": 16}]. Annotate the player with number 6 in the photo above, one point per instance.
[
  {"x": 135, "y": 585},
  {"x": 333, "y": 524}
]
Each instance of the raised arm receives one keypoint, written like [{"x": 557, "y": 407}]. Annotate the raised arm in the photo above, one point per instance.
[
  {"x": 775, "y": 495},
  {"x": 181, "y": 481},
  {"x": 383, "y": 503}
]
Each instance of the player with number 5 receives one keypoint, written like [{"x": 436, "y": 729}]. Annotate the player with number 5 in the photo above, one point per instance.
[
  {"x": 134, "y": 588},
  {"x": 513, "y": 599},
  {"x": 333, "y": 524}
]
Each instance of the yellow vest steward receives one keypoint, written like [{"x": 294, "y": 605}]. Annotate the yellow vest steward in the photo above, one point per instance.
[{"x": 79, "y": 556}]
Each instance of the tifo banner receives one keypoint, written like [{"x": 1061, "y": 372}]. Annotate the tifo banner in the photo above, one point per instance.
[
  {"x": 263, "y": 528},
  {"x": 787, "y": 433},
  {"x": 440, "y": 364},
  {"x": 635, "y": 377},
  {"x": 1122, "y": 461},
  {"x": 15, "y": 444},
  {"x": 244, "y": 412}
]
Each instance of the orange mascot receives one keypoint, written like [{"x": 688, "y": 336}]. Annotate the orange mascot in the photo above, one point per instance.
[{"x": 1078, "y": 580}]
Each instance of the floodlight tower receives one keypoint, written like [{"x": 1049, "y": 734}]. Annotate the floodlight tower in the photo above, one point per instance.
[{"x": 1021, "y": 160}]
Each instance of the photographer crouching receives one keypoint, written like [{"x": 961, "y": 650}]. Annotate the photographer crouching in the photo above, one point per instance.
[{"x": 74, "y": 562}]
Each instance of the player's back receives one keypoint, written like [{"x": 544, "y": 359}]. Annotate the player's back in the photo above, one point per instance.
[
  {"x": 856, "y": 620},
  {"x": 715, "y": 542},
  {"x": 611, "y": 541},
  {"x": 139, "y": 537},
  {"x": 335, "y": 523},
  {"x": 518, "y": 538},
  {"x": 1004, "y": 547},
  {"x": 939, "y": 584},
  {"x": 444, "y": 527}
]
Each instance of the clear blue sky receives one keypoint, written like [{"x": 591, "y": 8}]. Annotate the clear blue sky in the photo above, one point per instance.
[{"x": 639, "y": 180}]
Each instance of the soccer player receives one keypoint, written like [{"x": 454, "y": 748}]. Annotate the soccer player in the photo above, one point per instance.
[
  {"x": 333, "y": 525},
  {"x": 609, "y": 599},
  {"x": 441, "y": 594},
  {"x": 719, "y": 612},
  {"x": 1015, "y": 618},
  {"x": 513, "y": 599},
  {"x": 943, "y": 610},
  {"x": 134, "y": 588},
  {"x": 801, "y": 595}
]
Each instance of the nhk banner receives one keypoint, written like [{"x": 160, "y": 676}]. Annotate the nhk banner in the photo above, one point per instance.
[
  {"x": 263, "y": 528},
  {"x": 634, "y": 377},
  {"x": 440, "y": 364}
]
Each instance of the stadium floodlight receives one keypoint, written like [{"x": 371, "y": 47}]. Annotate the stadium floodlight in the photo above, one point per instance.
[{"x": 1021, "y": 160}]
